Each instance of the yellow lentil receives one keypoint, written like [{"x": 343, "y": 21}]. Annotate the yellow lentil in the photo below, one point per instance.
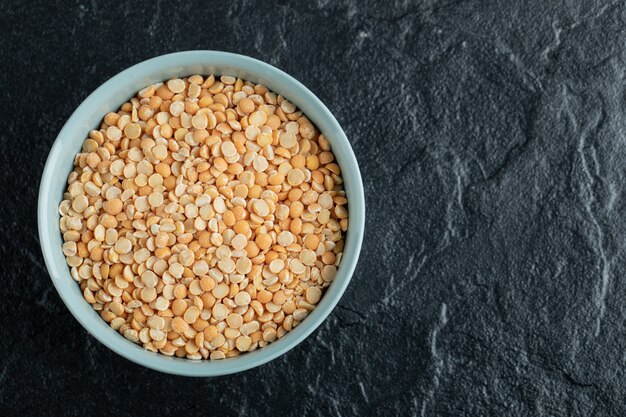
[{"x": 205, "y": 218}]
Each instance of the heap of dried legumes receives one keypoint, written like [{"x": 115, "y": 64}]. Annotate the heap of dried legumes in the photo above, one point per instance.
[{"x": 205, "y": 218}]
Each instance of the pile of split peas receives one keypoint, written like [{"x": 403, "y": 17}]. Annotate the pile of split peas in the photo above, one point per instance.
[{"x": 205, "y": 218}]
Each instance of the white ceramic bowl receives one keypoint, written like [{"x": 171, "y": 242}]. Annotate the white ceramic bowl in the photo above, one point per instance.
[{"x": 109, "y": 97}]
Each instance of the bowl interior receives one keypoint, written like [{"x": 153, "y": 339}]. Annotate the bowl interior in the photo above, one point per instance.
[{"x": 109, "y": 97}]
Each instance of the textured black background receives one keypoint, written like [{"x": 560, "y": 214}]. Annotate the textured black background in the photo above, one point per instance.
[{"x": 490, "y": 137}]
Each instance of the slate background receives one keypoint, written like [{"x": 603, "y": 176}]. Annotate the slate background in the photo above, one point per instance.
[{"x": 491, "y": 141}]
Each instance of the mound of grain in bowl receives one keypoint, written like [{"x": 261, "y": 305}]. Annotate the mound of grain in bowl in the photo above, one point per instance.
[{"x": 205, "y": 218}]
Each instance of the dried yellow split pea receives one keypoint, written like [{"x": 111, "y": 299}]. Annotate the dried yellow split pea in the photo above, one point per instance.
[{"x": 205, "y": 218}]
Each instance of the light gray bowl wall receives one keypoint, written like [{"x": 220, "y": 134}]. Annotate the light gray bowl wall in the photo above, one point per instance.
[{"x": 109, "y": 97}]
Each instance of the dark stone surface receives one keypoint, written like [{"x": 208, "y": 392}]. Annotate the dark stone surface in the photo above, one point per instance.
[{"x": 491, "y": 139}]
